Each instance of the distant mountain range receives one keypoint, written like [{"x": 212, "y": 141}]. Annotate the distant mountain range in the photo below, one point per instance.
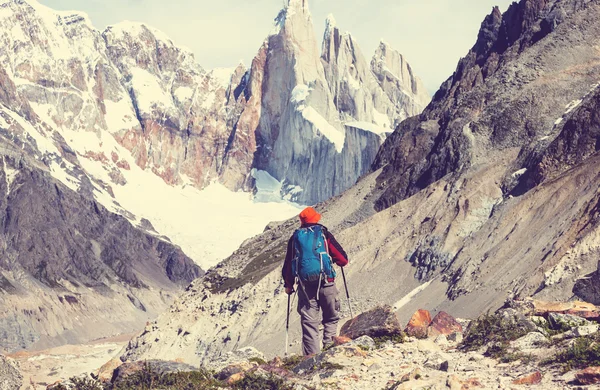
[{"x": 119, "y": 150}]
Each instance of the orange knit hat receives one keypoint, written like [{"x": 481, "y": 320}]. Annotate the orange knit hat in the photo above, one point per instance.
[{"x": 309, "y": 215}]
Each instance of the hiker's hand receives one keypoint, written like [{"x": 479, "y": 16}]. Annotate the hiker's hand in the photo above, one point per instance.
[{"x": 289, "y": 290}]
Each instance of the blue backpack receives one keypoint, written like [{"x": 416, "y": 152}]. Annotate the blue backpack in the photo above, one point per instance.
[{"x": 312, "y": 261}]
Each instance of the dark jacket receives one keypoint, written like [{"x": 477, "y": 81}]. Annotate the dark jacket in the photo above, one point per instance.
[{"x": 337, "y": 253}]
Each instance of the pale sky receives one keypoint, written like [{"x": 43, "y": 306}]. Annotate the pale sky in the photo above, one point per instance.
[{"x": 431, "y": 34}]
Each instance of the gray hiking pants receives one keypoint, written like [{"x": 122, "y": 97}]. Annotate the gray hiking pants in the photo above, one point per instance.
[{"x": 308, "y": 308}]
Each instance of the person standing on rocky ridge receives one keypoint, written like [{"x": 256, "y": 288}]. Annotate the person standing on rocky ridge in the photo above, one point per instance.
[{"x": 311, "y": 252}]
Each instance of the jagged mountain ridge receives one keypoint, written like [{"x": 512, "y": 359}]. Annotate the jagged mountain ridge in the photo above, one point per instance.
[
  {"x": 440, "y": 223},
  {"x": 103, "y": 123}
]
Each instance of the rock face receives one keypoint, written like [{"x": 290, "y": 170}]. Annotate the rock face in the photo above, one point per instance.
[
  {"x": 10, "y": 377},
  {"x": 64, "y": 253},
  {"x": 311, "y": 102},
  {"x": 448, "y": 219}
]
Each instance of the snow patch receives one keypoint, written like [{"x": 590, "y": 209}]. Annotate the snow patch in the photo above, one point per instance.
[
  {"x": 184, "y": 94},
  {"x": 148, "y": 91},
  {"x": 519, "y": 173},
  {"x": 381, "y": 119},
  {"x": 371, "y": 127},
  {"x": 119, "y": 115},
  {"x": 300, "y": 93},
  {"x": 323, "y": 127},
  {"x": 222, "y": 76},
  {"x": 209, "y": 100},
  {"x": 573, "y": 105},
  {"x": 408, "y": 297},
  {"x": 298, "y": 97}
]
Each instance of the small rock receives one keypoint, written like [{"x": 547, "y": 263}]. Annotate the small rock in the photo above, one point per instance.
[
  {"x": 339, "y": 340},
  {"x": 364, "y": 342},
  {"x": 418, "y": 324},
  {"x": 589, "y": 376},
  {"x": 530, "y": 379},
  {"x": 438, "y": 362},
  {"x": 455, "y": 383},
  {"x": 455, "y": 337},
  {"x": 233, "y": 369},
  {"x": 441, "y": 340},
  {"x": 476, "y": 357},
  {"x": 412, "y": 375},
  {"x": 381, "y": 321},
  {"x": 236, "y": 378}
]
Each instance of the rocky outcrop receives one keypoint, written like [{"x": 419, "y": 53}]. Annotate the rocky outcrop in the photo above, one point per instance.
[
  {"x": 10, "y": 377},
  {"x": 71, "y": 270},
  {"x": 310, "y": 100}
]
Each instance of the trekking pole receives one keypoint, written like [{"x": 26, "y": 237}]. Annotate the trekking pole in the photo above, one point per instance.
[
  {"x": 347, "y": 294},
  {"x": 287, "y": 325}
]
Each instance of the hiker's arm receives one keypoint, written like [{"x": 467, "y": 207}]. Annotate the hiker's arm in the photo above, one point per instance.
[
  {"x": 336, "y": 251},
  {"x": 286, "y": 272}
]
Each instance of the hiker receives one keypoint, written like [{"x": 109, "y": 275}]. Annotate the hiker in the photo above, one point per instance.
[{"x": 311, "y": 252}]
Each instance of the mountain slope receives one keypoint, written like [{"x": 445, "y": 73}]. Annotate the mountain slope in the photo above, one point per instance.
[{"x": 449, "y": 219}]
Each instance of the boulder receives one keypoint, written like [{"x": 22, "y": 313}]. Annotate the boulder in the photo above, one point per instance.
[
  {"x": 586, "y": 330},
  {"x": 588, "y": 288},
  {"x": 418, "y": 324},
  {"x": 589, "y": 376},
  {"x": 530, "y": 379},
  {"x": 105, "y": 373},
  {"x": 164, "y": 367},
  {"x": 380, "y": 321},
  {"x": 443, "y": 324},
  {"x": 565, "y": 322},
  {"x": 514, "y": 317},
  {"x": 10, "y": 377}
]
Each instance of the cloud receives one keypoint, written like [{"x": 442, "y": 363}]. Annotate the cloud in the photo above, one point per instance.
[{"x": 431, "y": 34}]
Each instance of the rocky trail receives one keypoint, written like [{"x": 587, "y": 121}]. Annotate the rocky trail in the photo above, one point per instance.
[{"x": 527, "y": 344}]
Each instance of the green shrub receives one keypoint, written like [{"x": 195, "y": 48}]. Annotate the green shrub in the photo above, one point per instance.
[
  {"x": 491, "y": 328},
  {"x": 150, "y": 378},
  {"x": 86, "y": 384},
  {"x": 257, "y": 360},
  {"x": 292, "y": 361},
  {"x": 584, "y": 352},
  {"x": 395, "y": 339},
  {"x": 254, "y": 381}
]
